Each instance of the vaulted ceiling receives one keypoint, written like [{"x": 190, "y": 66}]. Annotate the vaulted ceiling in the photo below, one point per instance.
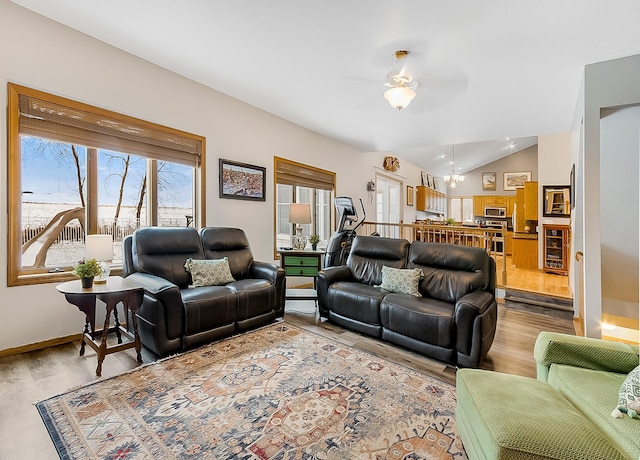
[{"x": 486, "y": 70}]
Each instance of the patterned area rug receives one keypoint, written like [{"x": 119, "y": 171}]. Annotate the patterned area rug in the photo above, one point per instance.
[{"x": 274, "y": 393}]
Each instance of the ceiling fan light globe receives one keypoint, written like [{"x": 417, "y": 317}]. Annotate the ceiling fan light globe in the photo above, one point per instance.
[{"x": 399, "y": 96}]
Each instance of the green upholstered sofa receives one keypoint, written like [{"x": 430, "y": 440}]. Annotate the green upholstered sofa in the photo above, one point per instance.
[{"x": 564, "y": 414}]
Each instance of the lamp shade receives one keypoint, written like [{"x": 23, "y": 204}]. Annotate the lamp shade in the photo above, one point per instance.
[
  {"x": 399, "y": 96},
  {"x": 99, "y": 247},
  {"x": 300, "y": 213}
]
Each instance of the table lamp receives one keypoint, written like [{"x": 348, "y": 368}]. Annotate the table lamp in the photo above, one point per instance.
[
  {"x": 100, "y": 247},
  {"x": 299, "y": 213}
]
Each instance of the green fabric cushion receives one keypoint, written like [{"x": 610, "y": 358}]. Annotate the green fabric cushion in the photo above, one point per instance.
[
  {"x": 401, "y": 280},
  {"x": 589, "y": 353},
  {"x": 595, "y": 393},
  {"x": 210, "y": 272},
  {"x": 501, "y": 416},
  {"x": 629, "y": 396}
]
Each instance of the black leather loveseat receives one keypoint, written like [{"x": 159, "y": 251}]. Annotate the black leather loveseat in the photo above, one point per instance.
[
  {"x": 174, "y": 315},
  {"x": 454, "y": 320}
]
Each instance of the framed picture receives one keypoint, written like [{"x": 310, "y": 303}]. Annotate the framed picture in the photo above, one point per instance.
[
  {"x": 572, "y": 184},
  {"x": 513, "y": 180},
  {"x": 489, "y": 181},
  {"x": 240, "y": 181},
  {"x": 436, "y": 184},
  {"x": 429, "y": 181},
  {"x": 556, "y": 200},
  {"x": 424, "y": 175},
  {"x": 409, "y": 195}
]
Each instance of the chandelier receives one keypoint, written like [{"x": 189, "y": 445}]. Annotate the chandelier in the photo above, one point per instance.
[{"x": 453, "y": 179}]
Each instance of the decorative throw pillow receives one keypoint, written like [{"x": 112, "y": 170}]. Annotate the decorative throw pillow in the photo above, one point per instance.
[
  {"x": 629, "y": 396},
  {"x": 401, "y": 280},
  {"x": 214, "y": 272}
]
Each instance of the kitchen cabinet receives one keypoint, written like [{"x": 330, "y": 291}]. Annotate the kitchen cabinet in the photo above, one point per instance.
[
  {"x": 519, "y": 209},
  {"x": 496, "y": 201},
  {"x": 508, "y": 244},
  {"x": 478, "y": 205},
  {"x": 525, "y": 251},
  {"x": 531, "y": 200},
  {"x": 430, "y": 200},
  {"x": 556, "y": 249}
]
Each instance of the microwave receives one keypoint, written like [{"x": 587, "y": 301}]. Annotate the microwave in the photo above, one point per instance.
[{"x": 492, "y": 211}]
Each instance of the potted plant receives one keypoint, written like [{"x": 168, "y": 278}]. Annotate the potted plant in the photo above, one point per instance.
[
  {"x": 314, "y": 240},
  {"x": 86, "y": 269}
]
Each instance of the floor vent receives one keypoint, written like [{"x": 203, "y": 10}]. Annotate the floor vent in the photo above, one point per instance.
[{"x": 545, "y": 304}]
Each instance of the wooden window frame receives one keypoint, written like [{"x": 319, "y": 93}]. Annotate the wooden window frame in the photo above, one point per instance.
[{"x": 16, "y": 275}]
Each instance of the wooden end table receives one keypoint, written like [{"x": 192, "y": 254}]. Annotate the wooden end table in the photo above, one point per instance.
[{"x": 115, "y": 290}]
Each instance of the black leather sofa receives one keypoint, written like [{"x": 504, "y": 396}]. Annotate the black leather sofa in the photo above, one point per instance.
[
  {"x": 455, "y": 319},
  {"x": 176, "y": 316}
]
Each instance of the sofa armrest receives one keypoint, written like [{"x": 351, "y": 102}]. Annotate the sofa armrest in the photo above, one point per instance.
[
  {"x": 266, "y": 271},
  {"x": 326, "y": 277},
  {"x": 158, "y": 288},
  {"x": 276, "y": 276},
  {"x": 467, "y": 309},
  {"x": 585, "y": 352}
]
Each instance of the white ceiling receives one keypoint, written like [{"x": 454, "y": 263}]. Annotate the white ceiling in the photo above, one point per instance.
[{"x": 487, "y": 70}]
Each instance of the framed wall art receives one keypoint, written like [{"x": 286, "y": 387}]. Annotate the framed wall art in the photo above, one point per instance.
[
  {"x": 241, "y": 181},
  {"x": 513, "y": 180},
  {"x": 429, "y": 181},
  {"x": 409, "y": 195},
  {"x": 489, "y": 181},
  {"x": 423, "y": 176}
]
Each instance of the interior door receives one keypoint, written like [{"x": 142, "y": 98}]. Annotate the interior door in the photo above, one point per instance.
[{"x": 388, "y": 205}]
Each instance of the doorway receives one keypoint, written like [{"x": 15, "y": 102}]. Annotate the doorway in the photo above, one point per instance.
[{"x": 388, "y": 205}]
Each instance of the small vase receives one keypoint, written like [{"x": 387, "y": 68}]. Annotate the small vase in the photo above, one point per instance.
[
  {"x": 87, "y": 282},
  {"x": 314, "y": 246}
]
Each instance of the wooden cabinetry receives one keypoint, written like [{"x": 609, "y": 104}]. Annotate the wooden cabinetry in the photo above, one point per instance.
[
  {"x": 531, "y": 200},
  {"x": 430, "y": 200},
  {"x": 519, "y": 209},
  {"x": 525, "y": 253},
  {"x": 508, "y": 243},
  {"x": 556, "y": 249},
  {"x": 497, "y": 201},
  {"x": 478, "y": 205}
]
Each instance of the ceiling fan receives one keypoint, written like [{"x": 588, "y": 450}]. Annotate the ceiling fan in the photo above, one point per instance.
[{"x": 401, "y": 83}]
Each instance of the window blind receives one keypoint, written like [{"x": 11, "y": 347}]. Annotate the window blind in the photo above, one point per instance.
[
  {"x": 297, "y": 174},
  {"x": 62, "y": 120}
]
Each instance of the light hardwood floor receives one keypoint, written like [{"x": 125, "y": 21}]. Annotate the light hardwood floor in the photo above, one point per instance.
[{"x": 30, "y": 377}]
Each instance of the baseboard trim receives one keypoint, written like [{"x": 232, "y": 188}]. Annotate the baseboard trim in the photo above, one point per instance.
[{"x": 39, "y": 345}]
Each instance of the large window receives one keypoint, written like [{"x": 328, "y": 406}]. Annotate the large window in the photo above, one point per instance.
[
  {"x": 76, "y": 170},
  {"x": 299, "y": 183},
  {"x": 461, "y": 209}
]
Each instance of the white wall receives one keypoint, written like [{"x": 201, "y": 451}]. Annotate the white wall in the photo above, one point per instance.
[
  {"x": 45, "y": 55},
  {"x": 524, "y": 160},
  {"x": 554, "y": 168},
  {"x": 619, "y": 166},
  {"x": 605, "y": 85}
]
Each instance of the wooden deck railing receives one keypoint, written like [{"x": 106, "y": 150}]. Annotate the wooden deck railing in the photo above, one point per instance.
[{"x": 485, "y": 238}]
